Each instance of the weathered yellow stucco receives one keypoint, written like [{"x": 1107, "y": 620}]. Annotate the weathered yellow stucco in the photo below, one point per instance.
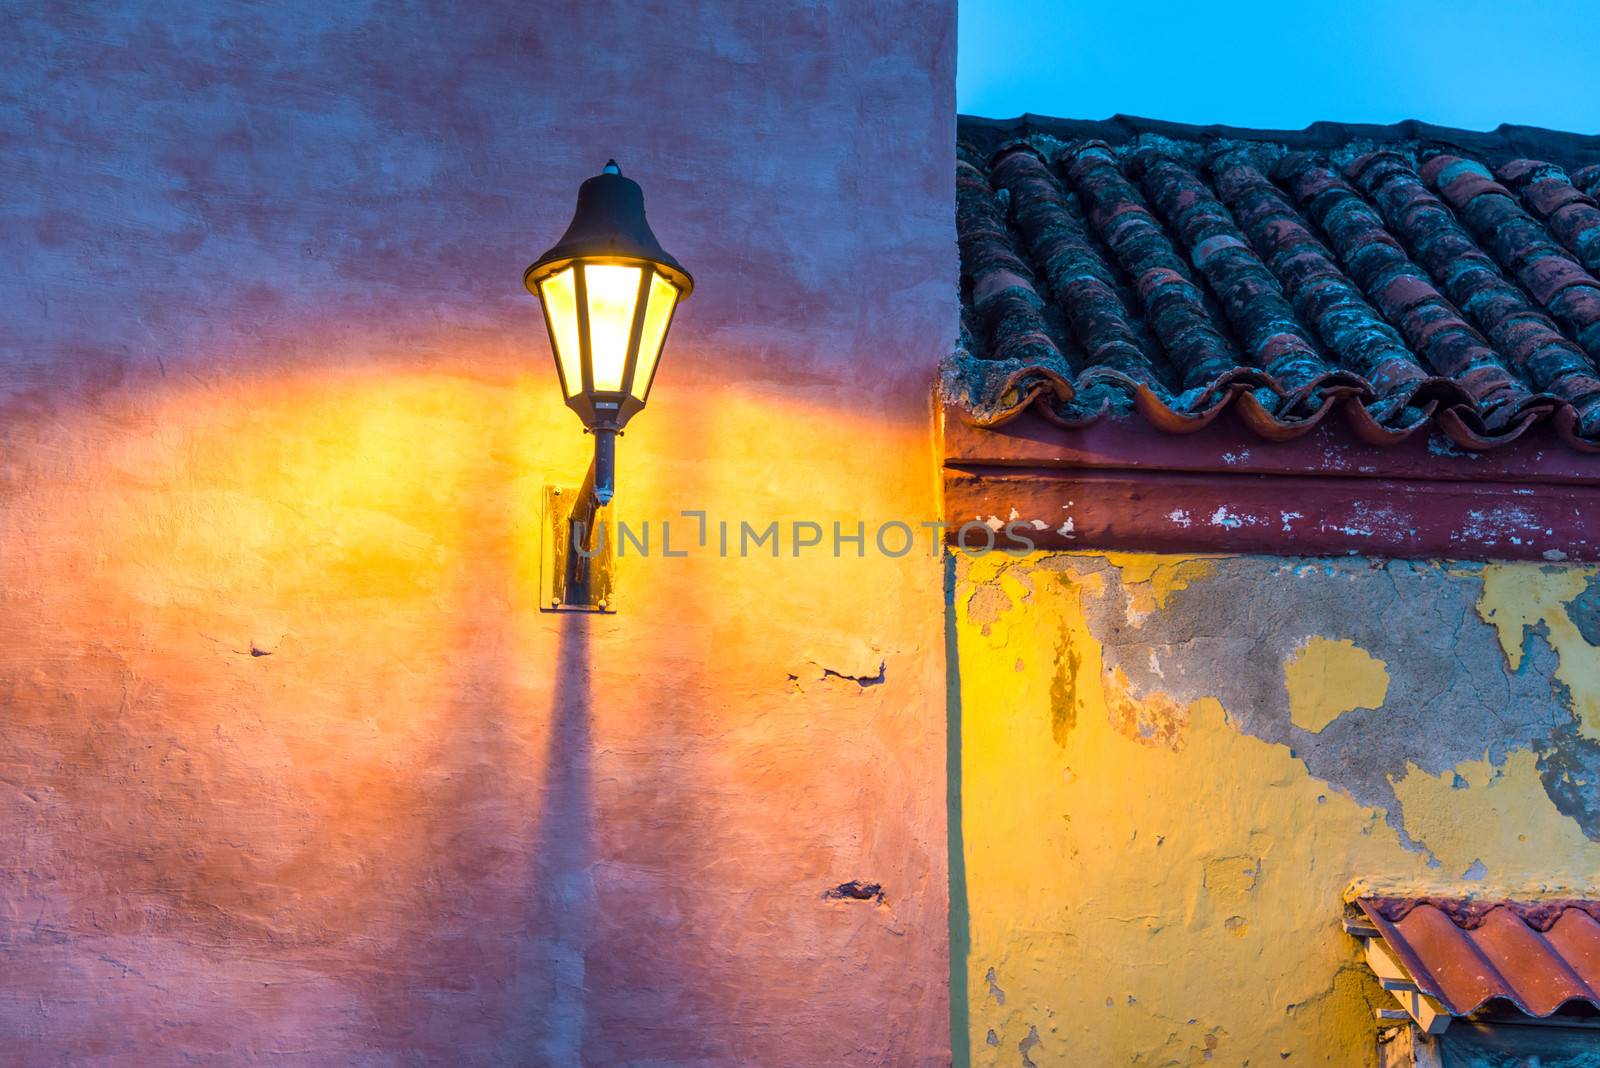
[
  {"x": 1329, "y": 678},
  {"x": 1519, "y": 597},
  {"x": 1148, "y": 884},
  {"x": 1155, "y": 578},
  {"x": 1478, "y": 814}
]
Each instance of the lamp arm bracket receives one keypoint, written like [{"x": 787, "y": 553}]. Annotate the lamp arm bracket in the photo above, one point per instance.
[{"x": 599, "y": 486}]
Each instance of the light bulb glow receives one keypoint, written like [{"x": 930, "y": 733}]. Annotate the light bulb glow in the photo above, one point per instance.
[{"x": 613, "y": 293}]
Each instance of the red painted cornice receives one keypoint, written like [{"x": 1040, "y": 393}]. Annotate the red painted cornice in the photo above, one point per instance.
[{"x": 1224, "y": 489}]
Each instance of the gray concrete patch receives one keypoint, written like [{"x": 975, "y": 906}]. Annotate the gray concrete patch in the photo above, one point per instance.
[{"x": 1451, "y": 696}]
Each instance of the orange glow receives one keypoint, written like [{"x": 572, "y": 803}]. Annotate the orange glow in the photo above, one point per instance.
[{"x": 273, "y": 641}]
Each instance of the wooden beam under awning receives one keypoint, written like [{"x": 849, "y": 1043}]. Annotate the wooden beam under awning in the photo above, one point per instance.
[{"x": 1429, "y": 1014}]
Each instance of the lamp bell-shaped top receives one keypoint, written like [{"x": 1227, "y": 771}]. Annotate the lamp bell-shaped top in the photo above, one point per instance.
[{"x": 609, "y": 223}]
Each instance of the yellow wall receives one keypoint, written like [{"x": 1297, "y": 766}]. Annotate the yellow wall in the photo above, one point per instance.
[{"x": 1154, "y": 877}]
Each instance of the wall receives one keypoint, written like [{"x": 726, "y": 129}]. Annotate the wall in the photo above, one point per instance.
[
  {"x": 292, "y": 767},
  {"x": 1172, "y": 768}
]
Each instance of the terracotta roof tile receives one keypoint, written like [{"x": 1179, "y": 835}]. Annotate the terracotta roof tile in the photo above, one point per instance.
[
  {"x": 1175, "y": 271},
  {"x": 1587, "y": 179},
  {"x": 1527, "y": 341},
  {"x": 1537, "y": 955}
]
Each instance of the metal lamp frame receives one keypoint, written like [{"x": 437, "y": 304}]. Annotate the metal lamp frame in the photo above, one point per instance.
[{"x": 608, "y": 228}]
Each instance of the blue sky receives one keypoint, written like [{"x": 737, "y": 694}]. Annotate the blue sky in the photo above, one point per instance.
[{"x": 1469, "y": 63}]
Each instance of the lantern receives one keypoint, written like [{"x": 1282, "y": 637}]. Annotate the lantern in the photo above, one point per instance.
[{"x": 608, "y": 290}]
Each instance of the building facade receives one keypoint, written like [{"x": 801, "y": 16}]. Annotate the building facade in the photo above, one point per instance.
[{"x": 1346, "y": 378}]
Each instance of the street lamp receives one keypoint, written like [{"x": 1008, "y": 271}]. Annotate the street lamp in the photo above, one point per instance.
[{"x": 609, "y": 290}]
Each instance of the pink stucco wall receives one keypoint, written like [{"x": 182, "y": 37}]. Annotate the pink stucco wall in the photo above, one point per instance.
[{"x": 291, "y": 767}]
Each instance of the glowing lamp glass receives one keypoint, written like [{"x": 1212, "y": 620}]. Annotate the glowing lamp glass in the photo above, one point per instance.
[
  {"x": 559, "y": 293},
  {"x": 608, "y": 324},
  {"x": 663, "y": 299}
]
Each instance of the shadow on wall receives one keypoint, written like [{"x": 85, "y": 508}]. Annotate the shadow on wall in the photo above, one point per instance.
[{"x": 291, "y": 741}]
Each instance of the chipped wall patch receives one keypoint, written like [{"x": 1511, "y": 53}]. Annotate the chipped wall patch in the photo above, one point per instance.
[
  {"x": 1230, "y": 520},
  {"x": 1327, "y": 678},
  {"x": 1155, "y": 719},
  {"x": 1521, "y": 602},
  {"x": 1503, "y": 826}
]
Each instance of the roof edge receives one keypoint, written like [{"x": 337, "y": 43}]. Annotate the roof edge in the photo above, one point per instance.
[
  {"x": 1507, "y": 141},
  {"x": 1528, "y": 892}
]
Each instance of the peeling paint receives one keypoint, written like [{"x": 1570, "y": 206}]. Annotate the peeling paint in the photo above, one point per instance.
[
  {"x": 857, "y": 663},
  {"x": 1154, "y": 579},
  {"x": 1503, "y": 820},
  {"x": 1519, "y": 600},
  {"x": 1584, "y": 611},
  {"x": 1230, "y": 520},
  {"x": 1327, "y": 678},
  {"x": 1155, "y": 719}
]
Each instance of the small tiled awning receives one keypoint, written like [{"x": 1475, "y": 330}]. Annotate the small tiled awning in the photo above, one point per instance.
[{"x": 1446, "y": 957}]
